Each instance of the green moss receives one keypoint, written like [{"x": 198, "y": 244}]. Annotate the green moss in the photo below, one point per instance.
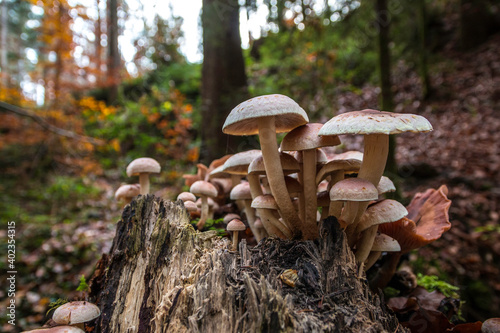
[{"x": 432, "y": 282}]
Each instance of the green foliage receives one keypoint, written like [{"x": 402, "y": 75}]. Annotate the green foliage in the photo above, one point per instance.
[
  {"x": 54, "y": 305},
  {"x": 83, "y": 286},
  {"x": 432, "y": 282},
  {"x": 390, "y": 292},
  {"x": 212, "y": 224}
]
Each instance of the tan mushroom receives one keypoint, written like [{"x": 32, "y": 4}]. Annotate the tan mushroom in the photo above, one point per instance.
[
  {"x": 204, "y": 190},
  {"x": 143, "y": 167},
  {"x": 235, "y": 226},
  {"x": 77, "y": 312},
  {"x": 266, "y": 116},
  {"x": 127, "y": 192}
]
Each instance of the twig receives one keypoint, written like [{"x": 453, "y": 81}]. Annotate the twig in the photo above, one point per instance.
[{"x": 43, "y": 123}]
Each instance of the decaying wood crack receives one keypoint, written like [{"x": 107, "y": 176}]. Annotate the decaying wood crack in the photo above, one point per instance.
[{"x": 163, "y": 276}]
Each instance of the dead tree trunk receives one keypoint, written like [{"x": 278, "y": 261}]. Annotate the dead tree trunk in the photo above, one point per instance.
[{"x": 163, "y": 276}]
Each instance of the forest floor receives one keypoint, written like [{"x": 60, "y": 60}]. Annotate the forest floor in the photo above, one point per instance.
[{"x": 462, "y": 152}]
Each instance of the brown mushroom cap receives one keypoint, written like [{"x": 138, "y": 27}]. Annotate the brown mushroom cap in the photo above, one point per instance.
[
  {"x": 236, "y": 225},
  {"x": 348, "y": 155},
  {"x": 241, "y": 192},
  {"x": 375, "y": 122},
  {"x": 265, "y": 201},
  {"x": 288, "y": 163},
  {"x": 230, "y": 217},
  {"x": 336, "y": 165},
  {"x": 385, "y": 185},
  {"x": 242, "y": 119},
  {"x": 127, "y": 191},
  {"x": 143, "y": 165},
  {"x": 384, "y": 243},
  {"x": 491, "y": 325},
  {"x": 190, "y": 206},
  {"x": 186, "y": 196},
  {"x": 306, "y": 137},
  {"x": 353, "y": 189},
  {"x": 75, "y": 313},
  {"x": 430, "y": 211},
  {"x": 384, "y": 211},
  {"x": 201, "y": 187},
  {"x": 238, "y": 163}
]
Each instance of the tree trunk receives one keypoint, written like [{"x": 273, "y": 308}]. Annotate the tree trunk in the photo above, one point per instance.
[
  {"x": 224, "y": 83},
  {"x": 422, "y": 37},
  {"x": 4, "y": 23},
  {"x": 163, "y": 276},
  {"x": 113, "y": 53},
  {"x": 384, "y": 20}
]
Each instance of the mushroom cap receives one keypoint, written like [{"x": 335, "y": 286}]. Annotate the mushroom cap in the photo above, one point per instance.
[
  {"x": 353, "y": 189},
  {"x": 306, "y": 137},
  {"x": 127, "y": 191},
  {"x": 491, "y": 325},
  {"x": 385, "y": 185},
  {"x": 336, "y": 165},
  {"x": 288, "y": 163},
  {"x": 143, "y": 165},
  {"x": 384, "y": 243},
  {"x": 243, "y": 118},
  {"x": 57, "y": 329},
  {"x": 230, "y": 217},
  {"x": 219, "y": 173},
  {"x": 430, "y": 211},
  {"x": 349, "y": 155},
  {"x": 384, "y": 211},
  {"x": 238, "y": 163},
  {"x": 75, "y": 313},
  {"x": 190, "y": 206},
  {"x": 210, "y": 202},
  {"x": 258, "y": 223},
  {"x": 265, "y": 201},
  {"x": 241, "y": 192},
  {"x": 186, "y": 196},
  {"x": 375, "y": 122},
  {"x": 202, "y": 187},
  {"x": 236, "y": 225},
  {"x": 321, "y": 157}
]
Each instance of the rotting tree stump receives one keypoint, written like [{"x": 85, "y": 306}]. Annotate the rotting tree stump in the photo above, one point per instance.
[{"x": 163, "y": 276}]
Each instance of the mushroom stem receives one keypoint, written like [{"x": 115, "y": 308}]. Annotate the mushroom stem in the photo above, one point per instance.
[
  {"x": 144, "y": 182},
  {"x": 372, "y": 168},
  {"x": 276, "y": 178},
  {"x": 255, "y": 188},
  {"x": 272, "y": 225},
  {"x": 235, "y": 240},
  {"x": 309, "y": 185},
  {"x": 372, "y": 259},
  {"x": 204, "y": 212},
  {"x": 250, "y": 213}
]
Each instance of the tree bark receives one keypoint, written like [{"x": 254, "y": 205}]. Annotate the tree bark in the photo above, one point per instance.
[
  {"x": 163, "y": 276},
  {"x": 4, "y": 26},
  {"x": 113, "y": 53},
  {"x": 224, "y": 82}
]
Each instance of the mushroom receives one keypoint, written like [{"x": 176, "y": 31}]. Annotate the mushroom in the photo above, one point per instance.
[
  {"x": 352, "y": 191},
  {"x": 305, "y": 140},
  {"x": 491, "y": 325},
  {"x": 127, "y": 192},
  {"x": 237, "y": 165},
  {"x": 376, "y": 126},
  {"x": 385, "y": 185},
  {"x": 266, "y": 116},
  {"x": 429, "y": 210},
  {"x": 235, "y": 226},
  {"x": 266, "y": 206},
  {"x": 186, "y": 196},
  {"x": 241, "y": 192},
  {"x": 142, "y": 167},
  {"x": 204, "y": 190},
  {"x": 381, "y": 243},
  {"x": 77, "y": 312},
  {"x": 385, "y": 211},
  {"x": 57, "y": 329},
  {"x": 230, "y": 217}
]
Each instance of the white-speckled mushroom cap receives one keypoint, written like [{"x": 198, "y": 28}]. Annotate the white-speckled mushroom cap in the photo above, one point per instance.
[
  {"x": 143, "y": 165},
  {"x": 201, "y": 187},
  {"x": 306, "y": 137},
  {"x": 353, "y": 189},
  {"x": 242, "y": 119},
  {"x": 384, "y": 211},
  {"x": 128, "y": 191},
  {"x": 375, "y": 122},
  {"x": 236, "y": 225},
  {"x": 75, "y": 313}
]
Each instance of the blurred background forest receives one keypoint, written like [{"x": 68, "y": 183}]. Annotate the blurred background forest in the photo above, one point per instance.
[{"x": 77, "y": 105}]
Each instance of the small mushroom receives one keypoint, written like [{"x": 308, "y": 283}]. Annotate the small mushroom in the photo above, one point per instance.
[
  {"x": 57, "y": 329},
  {"x": 235, "y": 226},
  {"x": 204, "y": 190},
  {"x": 77, "y": 312},
  {"x": 127, "y": 192},
  {"x": 186, "y": 196},
  {"x": 143, "y": 167}
]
